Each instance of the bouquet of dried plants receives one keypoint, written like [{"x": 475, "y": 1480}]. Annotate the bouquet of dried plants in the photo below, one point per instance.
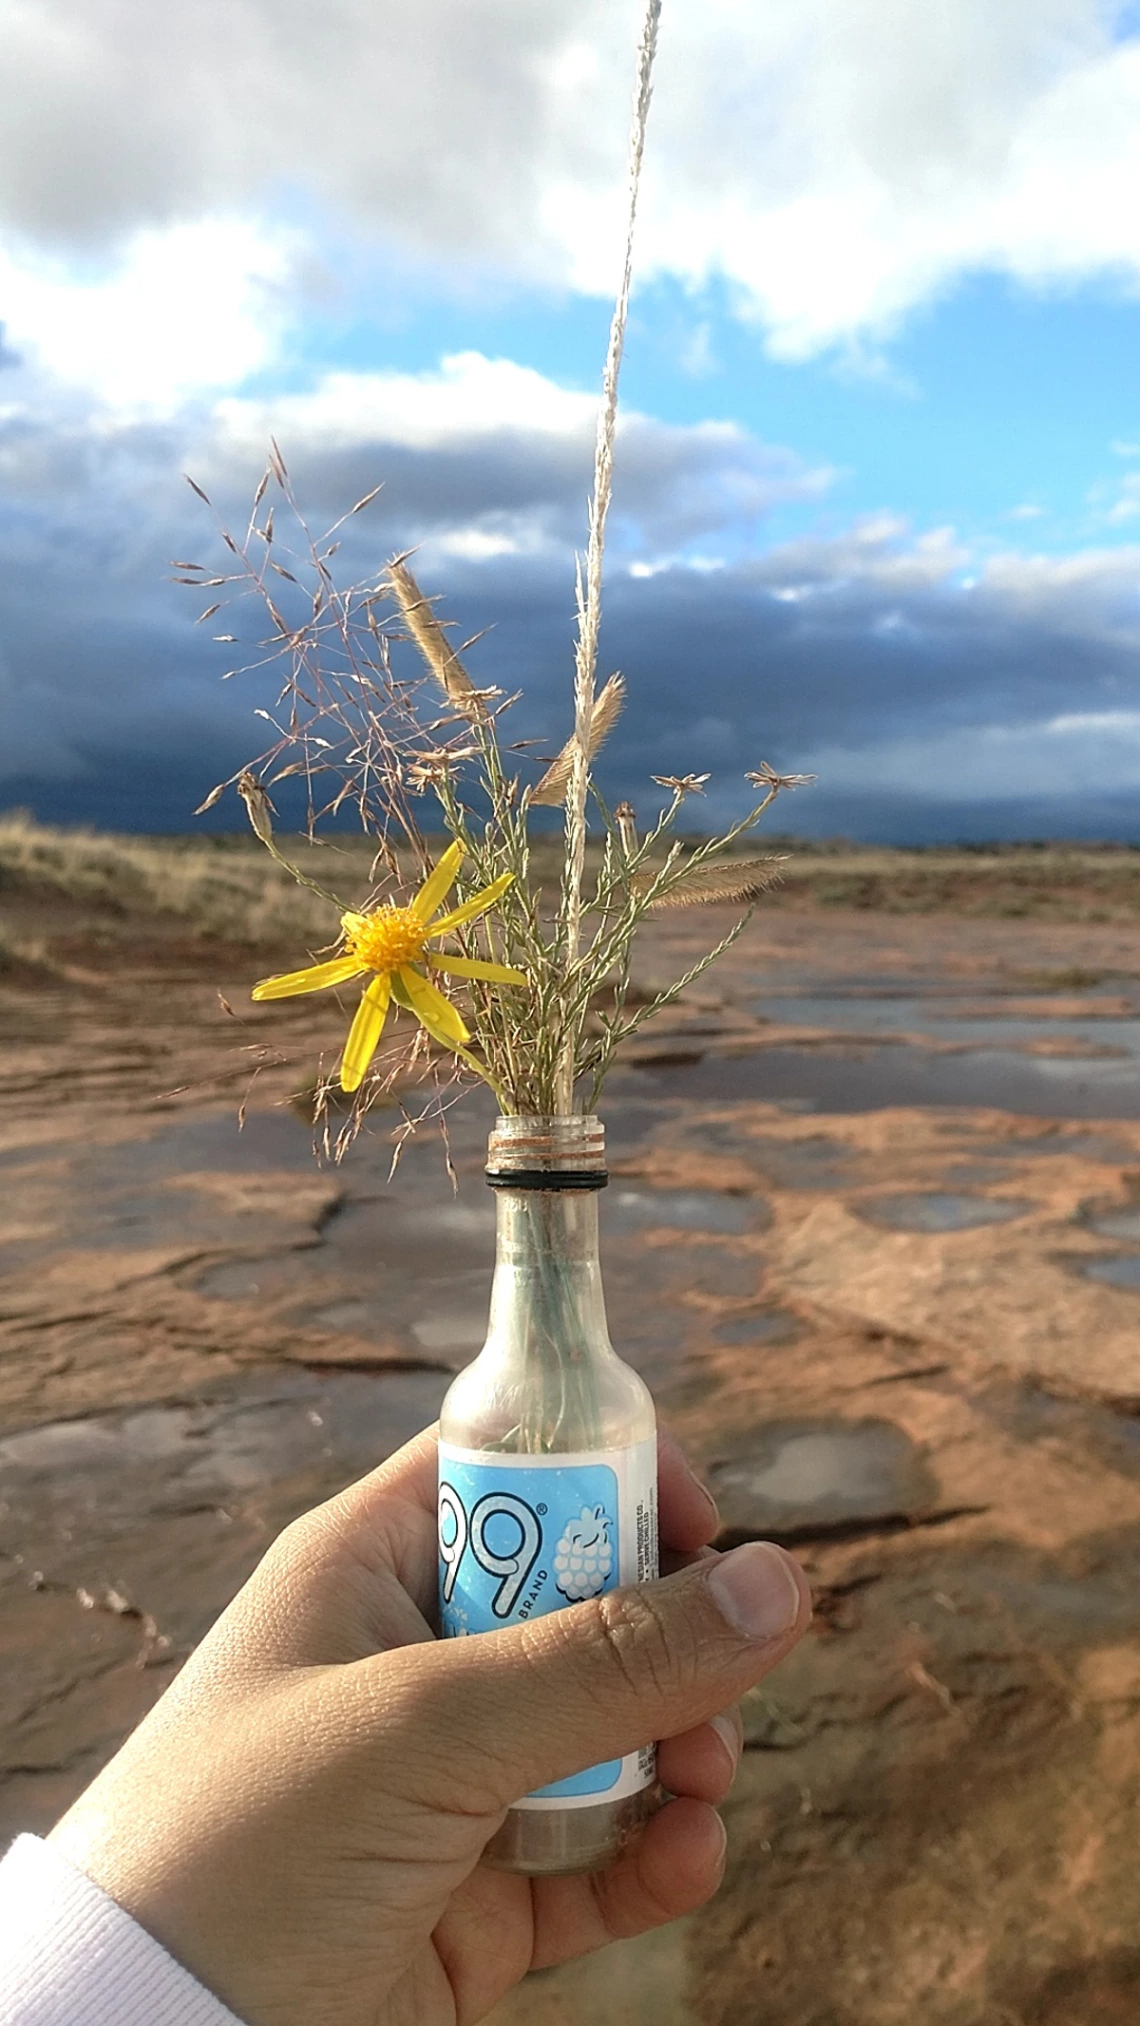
[{"x": 546, "y": 979}]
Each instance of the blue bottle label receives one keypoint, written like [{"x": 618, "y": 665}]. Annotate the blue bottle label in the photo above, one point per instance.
[{"x": 520, "y": 1536}]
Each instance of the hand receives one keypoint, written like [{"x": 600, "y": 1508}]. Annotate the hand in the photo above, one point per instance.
[{"x": 300, "y": 1819}]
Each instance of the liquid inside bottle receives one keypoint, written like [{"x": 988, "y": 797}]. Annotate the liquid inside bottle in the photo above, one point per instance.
[{"x": 548, "y": 1462}]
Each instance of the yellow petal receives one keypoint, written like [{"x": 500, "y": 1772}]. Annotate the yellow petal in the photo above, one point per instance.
[
  {"x": 474, "y": 967},
  {"x": 364, "y": 1033},
  {"x": 475, "y": 906},
  {"x": 315, "y": 979},
  {"x": 430, "y": 1007},
  {"x": 438, "y": 884}
]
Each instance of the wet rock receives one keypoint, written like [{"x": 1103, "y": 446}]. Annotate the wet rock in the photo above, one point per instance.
[
  {"x": 957, "y": 1818},
  {"x": 1117, "y": 1224},
  {"x": 801, "y": 1480},
  {"x": 1013, "y": 1294},
  {"x": 839, "y": 1077},
  {"x": 1123, "y": 1270},
  {"x": 635, "y": 1209},
  {"x": 769, "y": 1724},
  {"x": 771, "y": 1326},
  {"x": 936, "y": 1817},
  {"x": 123, "y": 1535},
  {"x": 940, "y": 1210},
  {"x": 258, "y": 1428}
]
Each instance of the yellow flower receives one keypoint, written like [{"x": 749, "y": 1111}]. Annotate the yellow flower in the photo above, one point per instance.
[{"x": 390, "y": 942}]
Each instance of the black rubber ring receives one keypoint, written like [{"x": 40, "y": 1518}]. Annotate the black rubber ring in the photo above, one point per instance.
[{"x": 541, "y": 1178}]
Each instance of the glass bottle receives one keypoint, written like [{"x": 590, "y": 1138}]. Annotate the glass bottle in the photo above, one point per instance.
[{"x": 548, "y": 1462}]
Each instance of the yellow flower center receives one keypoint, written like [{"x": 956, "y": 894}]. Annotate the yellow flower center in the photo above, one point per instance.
[{"x": 386, "y": 938}]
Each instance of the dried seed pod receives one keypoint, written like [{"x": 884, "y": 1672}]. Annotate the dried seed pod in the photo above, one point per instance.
[
  {"x": 258, "y": 806},
  {"x": 625, "y": 817}
]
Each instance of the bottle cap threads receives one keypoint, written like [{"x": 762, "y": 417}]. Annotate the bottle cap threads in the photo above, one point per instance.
[{"x": 547, "y": 1153}]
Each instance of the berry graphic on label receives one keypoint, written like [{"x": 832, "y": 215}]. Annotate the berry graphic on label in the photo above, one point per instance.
[{"x": 584, "y": 1555}]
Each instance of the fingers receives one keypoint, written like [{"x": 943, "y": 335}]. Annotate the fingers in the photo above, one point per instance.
[
  {"x": 358, "y": 1575},
  {"x": 688, "y": 1514},
  {"x": 355, "y": 1576},
  {"x": 491, "y": 1718},
  {"x": 674, "y": 1866},
  {"x": 702, "y": 1762}
]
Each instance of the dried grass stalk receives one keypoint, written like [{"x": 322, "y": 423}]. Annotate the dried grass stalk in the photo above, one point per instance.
[{"x": 590, "y": 586}]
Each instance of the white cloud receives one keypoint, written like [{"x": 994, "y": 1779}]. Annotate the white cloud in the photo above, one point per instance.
[
  {"x": 480, "y": 545},
  {"x": 1093, "y": 591},
  {"x": 1126, "y": 506},
  {"x": 175, "y": 313},
  {"x": 467, "y": 396},
  {"x": 838, "y": 161},
  {"x": 867, "y": 152},
  {"x": 1112, "y": 724},
  {"x": 879, "y": 550}
]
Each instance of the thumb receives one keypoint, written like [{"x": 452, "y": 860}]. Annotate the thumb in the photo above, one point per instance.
[{"x": 505, "y": 1712}]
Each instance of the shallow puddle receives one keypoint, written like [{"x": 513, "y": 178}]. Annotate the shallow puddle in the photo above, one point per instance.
[
  {"x": 1116, "y": 1224},
  {"x": 968, "y": 1174},
  {"x": 408, "y": 1267},
  {"x": 888, "y": 1013},
  {"x": 1080, "y": 1146},
  {"x": 935, "y": 1210},
  {"x": 871, "y": 1078},
  {"x": 638, "y": 1209},
  {"x": 1121, "y": 1271},
  {"x": 801, "y": 1477},
  {"x": 774, "y": 1326},
  {"x": 255, "y": 1429},
  {"x": 815, "y": 1163}
]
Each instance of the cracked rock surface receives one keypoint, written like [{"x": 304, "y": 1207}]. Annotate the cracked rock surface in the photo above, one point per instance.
[{"x": 876, "y": 1323}]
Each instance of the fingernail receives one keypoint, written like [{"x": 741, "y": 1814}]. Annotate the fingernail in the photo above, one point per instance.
[
  {"x": 691, "y": 1474},
  {"x": 755, "y": 1588},
  {"x": 714, "y": 1513},
  {"x": 729, "y": 1736}
]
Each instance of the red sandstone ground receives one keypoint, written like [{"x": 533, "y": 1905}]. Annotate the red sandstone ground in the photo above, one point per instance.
[{"x": 936, "y": 1820}]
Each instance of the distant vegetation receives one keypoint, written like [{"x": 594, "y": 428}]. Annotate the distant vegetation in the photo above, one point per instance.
[
  {"x": 222, "y": 887},
  {"x": 57, "y": 881}
]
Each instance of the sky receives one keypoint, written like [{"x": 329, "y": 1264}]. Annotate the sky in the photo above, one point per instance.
[{"x": 877, "y": 504}]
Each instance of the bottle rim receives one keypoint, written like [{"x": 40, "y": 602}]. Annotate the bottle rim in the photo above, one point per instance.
[{"x": 555, "y": 1152}]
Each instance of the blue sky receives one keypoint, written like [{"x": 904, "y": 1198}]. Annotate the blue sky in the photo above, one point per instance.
[{"x": 877, "y": 512}]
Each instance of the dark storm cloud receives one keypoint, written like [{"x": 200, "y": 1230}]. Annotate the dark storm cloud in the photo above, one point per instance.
[
  {"x": 674, "y": 484},
  {"x": 931, "y": 702},
  {"x": 931, "y": 708}
]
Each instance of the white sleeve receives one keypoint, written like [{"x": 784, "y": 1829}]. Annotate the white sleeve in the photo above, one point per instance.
[{"x": 69, "y": 1956}]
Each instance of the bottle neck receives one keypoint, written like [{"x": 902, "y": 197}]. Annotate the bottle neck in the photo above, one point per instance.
[{"x": 547, "y": 1303}]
